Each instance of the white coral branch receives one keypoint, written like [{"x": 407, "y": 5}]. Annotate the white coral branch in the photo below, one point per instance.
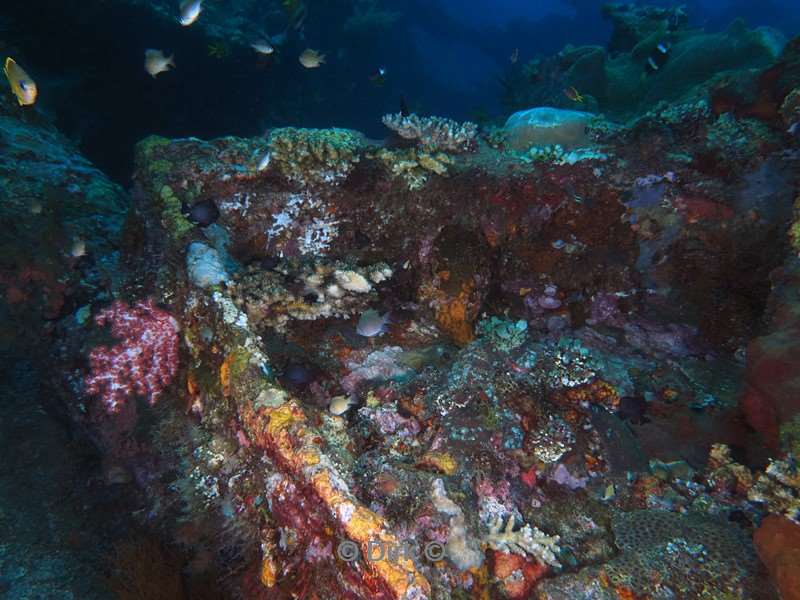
[{"x": 527, "y": 540}]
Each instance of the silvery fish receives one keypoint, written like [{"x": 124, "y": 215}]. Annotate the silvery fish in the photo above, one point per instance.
[
  {"x": 190, "y": 11},
  {"x": 155, "y": 62},
  {"x": 264, "y": 162},
  {"x": 262, "y": 47},
  {"x": 311, "y": 59},
  {"x": 372, "y": 323}
]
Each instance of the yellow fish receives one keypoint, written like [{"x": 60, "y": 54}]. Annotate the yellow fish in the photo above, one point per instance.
[
  {"x": 311, "y": 59},
  {"x": 22, "y": 85},
  {"x": 573, "y": 94}
]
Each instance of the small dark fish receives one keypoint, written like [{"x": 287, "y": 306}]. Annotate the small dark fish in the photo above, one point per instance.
[
  {"x": 299, "y": 374},
  {"x": 203, "y": 213},
  {"x": 404, "y": 107},
  {"x": 379, "y": 76},
  {"x": 633, "y": 409},
  {"x": 739, "y": 517},
  {"x": 297, "y": 16},
  {"x": 659, "y": 56},
  {"x": 361, "y": 240},
  {"x": 269, "y": 263},
  {"x": 677, "y": 19}
]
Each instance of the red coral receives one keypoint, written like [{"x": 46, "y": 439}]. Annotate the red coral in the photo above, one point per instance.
[
  {"x": 144, "y": 363},
  {"x": 516, "y": 574}
]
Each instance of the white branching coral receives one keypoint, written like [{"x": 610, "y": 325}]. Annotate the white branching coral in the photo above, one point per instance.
[
  {"x": 528, "y": 540},
  {"x": 434, "y": 134}
]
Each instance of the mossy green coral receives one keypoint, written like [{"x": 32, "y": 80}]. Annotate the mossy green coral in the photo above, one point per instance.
[
  {"x": 151, "y": 143},
  {"x": 315, "y": 155},
  {"x": 172, "y": 216}
]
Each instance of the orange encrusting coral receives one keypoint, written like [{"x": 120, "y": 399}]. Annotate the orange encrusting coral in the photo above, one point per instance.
[
  {"x": 284, "y": 433},
  {"x": 596, "y": 392},
  {"x": 269, "y": 572},
  {"x": 454, "y": 316},
  {"x": 440, "y": 462},
  {"x": 225, "y": 374}
]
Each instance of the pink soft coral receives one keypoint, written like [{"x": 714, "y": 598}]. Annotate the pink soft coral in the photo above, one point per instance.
[{"x": 145, "y": 361}]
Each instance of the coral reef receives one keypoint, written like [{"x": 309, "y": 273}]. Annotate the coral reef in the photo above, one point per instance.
[
  {"x": 690, "y": 554},
  {"x": 434, "y": 134},
  {"x": 618, "y": 82},
  {"x": 314, "y": 155},
  {"x": 321, "y": 290},
  {"x": 515, "y": 361},
  {"x": 413, "y": 166},
  {"x": 778, "y": 489}
]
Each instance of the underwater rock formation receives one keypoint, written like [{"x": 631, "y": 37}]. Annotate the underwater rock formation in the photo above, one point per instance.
[
  {"x": 462, "y": 363},
  {"x": 62, "y": 220},
  {"x": 311, "y": 444},
  {"x": 778, "y": 544},
  {"x": 619, "y": 81},
  {"x": 633, "y": 23}
]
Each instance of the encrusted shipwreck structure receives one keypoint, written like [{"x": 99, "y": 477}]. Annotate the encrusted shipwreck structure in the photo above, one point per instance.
[{"x": 477, "y": 441}]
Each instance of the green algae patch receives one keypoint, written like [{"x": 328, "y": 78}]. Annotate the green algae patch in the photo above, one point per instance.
[
  {"x": 171, "y": 214},
  {"x": 149, "y": 145}
]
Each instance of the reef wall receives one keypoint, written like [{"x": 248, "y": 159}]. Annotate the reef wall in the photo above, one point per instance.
[{"x": 564, "y": 347}]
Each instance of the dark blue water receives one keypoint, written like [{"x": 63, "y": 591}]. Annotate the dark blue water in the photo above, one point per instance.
[{"x": 443, "y": 57}]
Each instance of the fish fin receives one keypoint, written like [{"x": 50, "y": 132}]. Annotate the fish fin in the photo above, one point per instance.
[
  {"x": 8, "y": 65},
  {"x": 171, "y": 61},
  {"x": 322, "y": 59}
]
